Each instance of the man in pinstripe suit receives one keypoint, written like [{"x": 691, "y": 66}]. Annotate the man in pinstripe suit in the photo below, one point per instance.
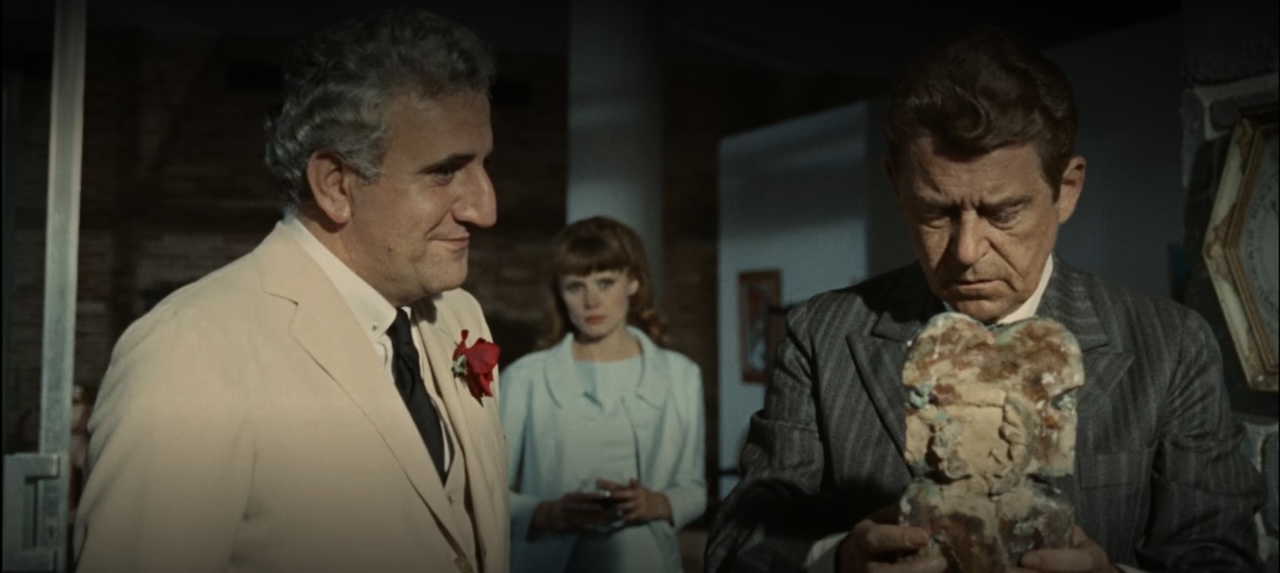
[{"x": 980, "y": 132}]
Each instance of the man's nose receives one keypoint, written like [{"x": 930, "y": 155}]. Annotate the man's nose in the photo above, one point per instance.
[
  {"x": 969, "y": 241},
  {"x": 479, "y": 204}
]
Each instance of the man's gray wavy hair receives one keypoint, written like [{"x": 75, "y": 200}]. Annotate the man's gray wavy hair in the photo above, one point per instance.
[{"x": 338, "y": 83}]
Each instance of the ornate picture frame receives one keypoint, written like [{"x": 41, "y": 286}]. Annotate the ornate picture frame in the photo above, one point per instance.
[
  {"x": 1240, "y": 245},
  {"x": 759, "y": 327}
]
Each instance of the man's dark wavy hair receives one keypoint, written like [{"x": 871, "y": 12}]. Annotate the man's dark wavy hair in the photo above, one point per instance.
[{"x": 980, "y": 90}]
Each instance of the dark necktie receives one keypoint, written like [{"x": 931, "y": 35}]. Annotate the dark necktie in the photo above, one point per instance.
[{"x": 408, "y": 375}]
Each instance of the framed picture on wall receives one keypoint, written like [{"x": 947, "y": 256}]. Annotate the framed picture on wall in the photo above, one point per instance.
[
  {"x": 1240, "y": 247},
  {"x": 759, "y": 326}
]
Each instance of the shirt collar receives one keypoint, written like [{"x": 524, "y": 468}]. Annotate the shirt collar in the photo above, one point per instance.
[
  {"x": 1032, "y": 304},
  {"x": 371, "y": 309}
]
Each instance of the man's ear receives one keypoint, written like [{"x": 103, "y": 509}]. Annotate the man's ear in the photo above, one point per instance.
[
  {"x": 328, "y": 176},
  {"x": 1070, "y": 188}
]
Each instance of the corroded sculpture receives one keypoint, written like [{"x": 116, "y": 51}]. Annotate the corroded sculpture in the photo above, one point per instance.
[{"x": 990, "y": 416}]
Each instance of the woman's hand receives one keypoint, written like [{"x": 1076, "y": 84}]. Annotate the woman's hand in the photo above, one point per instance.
[
  {"x": 573, "y": 511},
  {"x": 635, "y": 503}
]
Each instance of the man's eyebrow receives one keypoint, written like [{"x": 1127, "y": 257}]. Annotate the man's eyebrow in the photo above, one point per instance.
[
  {"x": 934, "y": 201},
  {"x": 937, "y": 202},
  {"x": 1009, "y": 202},
  {"x": 450, "y": 163}
]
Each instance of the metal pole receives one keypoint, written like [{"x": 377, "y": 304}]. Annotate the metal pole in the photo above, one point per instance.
[
  {"x": 61, "y": 257},
  {"x": 12, "y": 89},
  {"x": 38, "y": 482}
]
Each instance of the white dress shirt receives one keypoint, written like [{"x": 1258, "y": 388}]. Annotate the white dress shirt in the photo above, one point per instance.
[{"x": 371, "y": 310}]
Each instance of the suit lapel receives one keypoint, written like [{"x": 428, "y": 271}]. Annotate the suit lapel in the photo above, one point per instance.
[
  {"x": 441, "y": 335},
  {"x": 880, "y": 353},
  {"x": 879, "y": 365},
  {"x": 1069, "y": 301},
  {"x": 655, "y": 379},
  {"x": 562, "y": 375},
  {"x": 324, "y": 326}
]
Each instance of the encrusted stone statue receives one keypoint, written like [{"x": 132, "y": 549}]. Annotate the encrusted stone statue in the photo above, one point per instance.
[{"x": 991, "y": 415}]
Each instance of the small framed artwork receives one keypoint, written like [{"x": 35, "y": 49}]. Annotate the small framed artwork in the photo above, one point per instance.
[
  {"x": 1241, "y": 245},
  {"x": 759, "y": 326}
]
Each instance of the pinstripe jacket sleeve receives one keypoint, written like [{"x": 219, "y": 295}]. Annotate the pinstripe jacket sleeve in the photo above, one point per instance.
[{"x": 1160, "y": 482}]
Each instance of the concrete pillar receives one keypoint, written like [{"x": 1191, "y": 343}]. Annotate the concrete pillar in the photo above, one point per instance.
[{"x": 615, "y": 118}]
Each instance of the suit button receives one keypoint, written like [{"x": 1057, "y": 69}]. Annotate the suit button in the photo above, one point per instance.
[{"x": 450, "y": 497}]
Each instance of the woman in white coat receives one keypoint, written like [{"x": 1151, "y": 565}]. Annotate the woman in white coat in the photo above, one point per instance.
[{"x": 604, "y": 426}]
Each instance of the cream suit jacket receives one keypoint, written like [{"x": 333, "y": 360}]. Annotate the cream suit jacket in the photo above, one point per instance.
[{"x": 246, "y": 424}]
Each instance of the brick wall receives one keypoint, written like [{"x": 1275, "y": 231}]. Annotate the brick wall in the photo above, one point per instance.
[{"x": 174, "y": 187}]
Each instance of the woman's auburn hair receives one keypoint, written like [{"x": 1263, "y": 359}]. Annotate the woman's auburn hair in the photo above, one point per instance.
[{"x": 599, "y": 244}]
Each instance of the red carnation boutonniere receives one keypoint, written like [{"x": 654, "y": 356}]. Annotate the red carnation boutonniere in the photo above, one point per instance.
[{"x": 475, "y": 365}]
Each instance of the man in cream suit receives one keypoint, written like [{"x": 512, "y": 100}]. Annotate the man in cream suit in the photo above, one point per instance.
[{"x": 298, "y": 410}]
